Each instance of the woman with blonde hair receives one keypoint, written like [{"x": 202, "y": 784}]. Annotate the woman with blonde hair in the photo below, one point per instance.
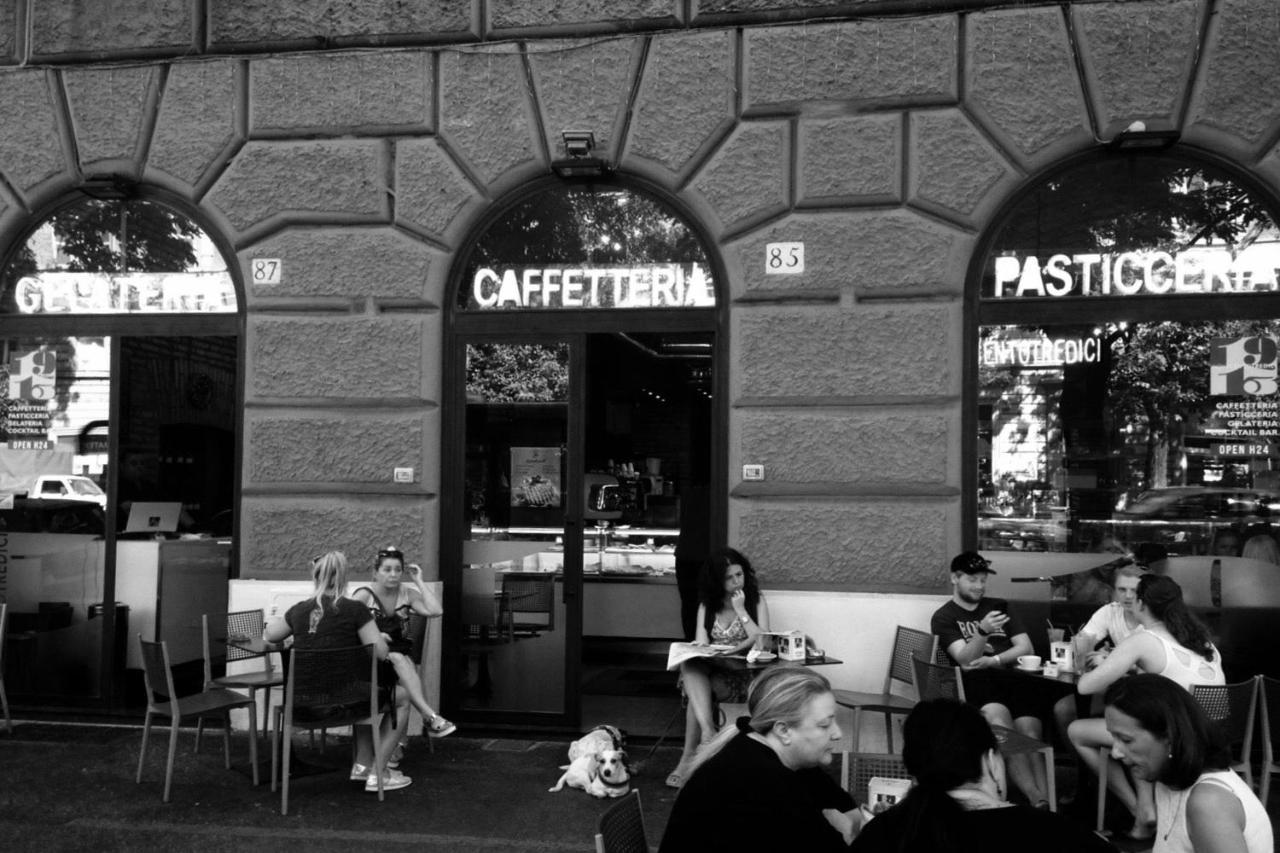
[
  {"x": 329, "y": 620},
  {"x": 760, "y": 784}
]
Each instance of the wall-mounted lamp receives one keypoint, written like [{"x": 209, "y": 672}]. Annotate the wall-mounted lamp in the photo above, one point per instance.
[
  {"x": 1136, "y": 137},
  {"x": 579, "y": 162}
]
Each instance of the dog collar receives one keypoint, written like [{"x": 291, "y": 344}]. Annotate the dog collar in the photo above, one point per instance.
[{"x": 609, "y": 784}]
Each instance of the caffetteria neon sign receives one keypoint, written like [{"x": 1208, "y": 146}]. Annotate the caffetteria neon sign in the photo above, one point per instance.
[
  {"x": 1132, "y": 273},
  {"x": 653, "y": 286}
]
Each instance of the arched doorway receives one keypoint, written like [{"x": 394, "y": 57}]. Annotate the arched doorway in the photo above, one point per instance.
[
  {"x": 120, "y": 335},
  {"x": 584, "y": 431}
]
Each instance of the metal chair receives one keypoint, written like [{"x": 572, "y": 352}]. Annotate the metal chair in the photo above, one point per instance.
[
  {"x": 163, "y": 701},
  {"x": 865, "y": 766},
  {"x": 241, "y": 623},
  {"x": 325, "y": 690},
  {"x": 4, "y": 697},
  {"x": 1269, "y": 700},
  {"x": 907, "y": 643},
  {"x": 1231, "y": 708},
  {"x": 936, "y": 681},
  {"x": 621, "y": 828}
]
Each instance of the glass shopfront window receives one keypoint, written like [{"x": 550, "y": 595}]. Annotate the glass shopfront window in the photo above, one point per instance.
[
  {"x": 118, "y": 409},
  {"x": 1127, "y": 379}
]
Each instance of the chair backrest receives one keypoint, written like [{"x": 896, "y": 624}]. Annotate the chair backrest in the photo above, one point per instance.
[
  {"x": 907, "y": 644},
  {"x": 245, "y": 623},
  {"x": 936, "y": 681},
  {"x": 1231, "y": 707},
  {"x": 332, "y": 686},
  {"x": 531, "y": 596},
  {"x": 865, "y": 766},
  {"x": 621, "y": 828},
  {"x": 157, "y": 677}
]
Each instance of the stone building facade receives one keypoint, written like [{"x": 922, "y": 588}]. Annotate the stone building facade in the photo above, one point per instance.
[{"x": 362, "y": 142}]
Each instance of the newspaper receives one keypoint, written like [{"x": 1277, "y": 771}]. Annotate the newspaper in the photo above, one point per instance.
[{"x": 681, "y": 652}]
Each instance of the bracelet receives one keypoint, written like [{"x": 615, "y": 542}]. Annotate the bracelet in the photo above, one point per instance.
[{"x": 745, "y": 620}]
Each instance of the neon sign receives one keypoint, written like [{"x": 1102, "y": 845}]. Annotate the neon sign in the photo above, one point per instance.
[{"x": 653, "y": 286}]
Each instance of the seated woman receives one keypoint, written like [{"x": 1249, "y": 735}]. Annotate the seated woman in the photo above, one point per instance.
[
  {"x": 761, "y": 784},
  {"x": 731, "y": 612},
  {"x": 330, "y": 621},
  {"x": 391, "y": 602},
  {"x": 958, "y": 802},
  {"x": 1163, "y": 736},
  {"x": 1171, "y": 643}
]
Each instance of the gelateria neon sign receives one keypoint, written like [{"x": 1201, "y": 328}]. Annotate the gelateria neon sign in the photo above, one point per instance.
[
  {"x": 125, "y": 293},
  {"x": 652, "y": 286},
  {"x": 1136, "y": 273}
]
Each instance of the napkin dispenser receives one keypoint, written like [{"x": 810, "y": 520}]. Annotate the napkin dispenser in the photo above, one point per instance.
[{"x": 791, "y": 646}]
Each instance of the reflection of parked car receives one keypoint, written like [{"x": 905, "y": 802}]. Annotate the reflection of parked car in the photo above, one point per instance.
[
  {"x": 30, "y": 515},
  {"x": 69, "y": 487},
  {"x": 1186, "y": 519}
]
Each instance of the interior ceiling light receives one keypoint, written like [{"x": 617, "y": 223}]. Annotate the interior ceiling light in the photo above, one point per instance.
[{"x": 1136, "y": 137}]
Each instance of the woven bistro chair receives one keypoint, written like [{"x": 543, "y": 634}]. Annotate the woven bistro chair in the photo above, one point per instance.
[
  {"x": 621, "y": 828},
  {"x": 936, "y": 681},
  {"x": 528, "y": 604},
  {"x": 163, "y": 701},
  {"x": 241, "y": 623},
  {"x": 325, "y": 689},
  {"x": 1232, "y": 707},
  {"x": 907, "y": 643}
]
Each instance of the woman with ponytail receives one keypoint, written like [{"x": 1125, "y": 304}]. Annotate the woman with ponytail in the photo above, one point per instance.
[
  {"x": 1173, "y": 643},
  {"x": 330, "y": 620},
  {"x": 761, "y": 785},
  {"x": 957, "y": 804}
]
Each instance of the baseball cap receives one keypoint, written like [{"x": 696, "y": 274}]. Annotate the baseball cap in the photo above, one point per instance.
[{"x": 971, "y": 563}]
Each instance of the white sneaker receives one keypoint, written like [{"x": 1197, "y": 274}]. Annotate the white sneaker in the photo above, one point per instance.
[
  {"x": 359, "y": 772},
  {"x": 393, "y": 781}
]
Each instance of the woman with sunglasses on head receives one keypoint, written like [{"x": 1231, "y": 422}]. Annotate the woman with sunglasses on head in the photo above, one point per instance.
[
  {"x": 392, "y": 603},
  {"x": 329, "y": 620},
  {"x": 1163, "y": 736},
  {"x": 1172, "y": 643}
]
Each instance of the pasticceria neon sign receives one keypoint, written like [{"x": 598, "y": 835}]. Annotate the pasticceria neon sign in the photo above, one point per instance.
[{"x": 1138, "y": 272}]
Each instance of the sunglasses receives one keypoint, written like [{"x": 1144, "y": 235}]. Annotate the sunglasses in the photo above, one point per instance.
[{"x": 391, "y": 552}]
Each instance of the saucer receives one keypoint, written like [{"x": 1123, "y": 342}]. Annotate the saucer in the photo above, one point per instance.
[{"x": 1028, "y": 668}]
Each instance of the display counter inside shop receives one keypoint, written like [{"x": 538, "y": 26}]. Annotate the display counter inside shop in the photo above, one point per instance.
[{"x": 629, "y": 582}]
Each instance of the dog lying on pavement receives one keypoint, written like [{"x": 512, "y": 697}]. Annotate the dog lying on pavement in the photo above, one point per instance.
[{"x": 597, "y": 764}]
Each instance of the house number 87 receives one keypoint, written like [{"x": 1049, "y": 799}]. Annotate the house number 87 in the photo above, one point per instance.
[
  {"x": 266, "y": 270},
  {"x": 783, "y": 258}
]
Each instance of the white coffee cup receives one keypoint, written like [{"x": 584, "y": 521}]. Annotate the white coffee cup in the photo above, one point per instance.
[{"x": 1029, "y": 661}]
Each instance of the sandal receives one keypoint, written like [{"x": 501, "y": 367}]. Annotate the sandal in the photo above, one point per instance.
[
  {"x": 438, "y": 726},
  {"x": 675, "y": 779}
]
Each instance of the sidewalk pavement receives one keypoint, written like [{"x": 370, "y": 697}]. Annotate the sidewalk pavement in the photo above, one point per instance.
[{"x": 70, "y": 787}]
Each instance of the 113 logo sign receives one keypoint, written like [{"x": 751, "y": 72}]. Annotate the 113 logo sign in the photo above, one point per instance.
[{"x": 1243, "y": 366}]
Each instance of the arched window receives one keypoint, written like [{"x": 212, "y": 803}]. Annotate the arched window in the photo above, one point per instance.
[
  {"x": 1128, "y": 324},
  {"x": 119, "y": 411}
]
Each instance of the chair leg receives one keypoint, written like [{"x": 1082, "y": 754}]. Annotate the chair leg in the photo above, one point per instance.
[
  {"x": 173, "y": 752},
  {"x": 1051, "y": 783},
  {"x": 226, "y": 738},
  {"x": 4, "y": 702},
  {"x": 253, "y": 742},
  {"x": 142, "y": 752},
  {"x": 284, "y": 770},
  {"x": 1104, "y": 755},
  {"x": 275, "y": 748},
  {"x": 199, "y": 733}
]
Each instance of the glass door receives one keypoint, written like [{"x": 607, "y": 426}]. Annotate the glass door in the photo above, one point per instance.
[{"x": 518, "y": 620}]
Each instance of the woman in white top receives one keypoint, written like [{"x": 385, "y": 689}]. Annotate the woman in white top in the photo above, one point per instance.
[
  {"x": 1172, "y": 643},
  {"x": 1164, "y": 737}
]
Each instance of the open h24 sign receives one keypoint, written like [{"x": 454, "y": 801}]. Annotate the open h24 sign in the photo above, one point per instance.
[{"x": 1243, "y": 366}]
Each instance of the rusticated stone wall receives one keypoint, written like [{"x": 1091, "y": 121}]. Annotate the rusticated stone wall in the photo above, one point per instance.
[{"x": 361, "y": 141}]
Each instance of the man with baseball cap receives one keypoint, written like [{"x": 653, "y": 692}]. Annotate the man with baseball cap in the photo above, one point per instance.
[{"x": 978, "y": 633}]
